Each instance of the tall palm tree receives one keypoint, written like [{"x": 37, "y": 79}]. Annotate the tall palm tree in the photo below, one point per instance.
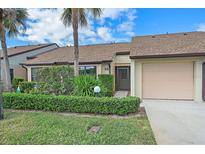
[
  {"x": 10, "y": 22},
  {"x": 74, "y": 17},
  {"x": 13, "y": 21}
]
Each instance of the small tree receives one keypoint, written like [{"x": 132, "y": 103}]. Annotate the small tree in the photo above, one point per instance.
[
  {"x": 75, "y": 17},
  {"x": 58, "y": 79},
  {"x": 12, "y": 20}
]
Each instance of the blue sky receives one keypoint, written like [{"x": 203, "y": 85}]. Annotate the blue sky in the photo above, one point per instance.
[{"x": 115, "y": 25}]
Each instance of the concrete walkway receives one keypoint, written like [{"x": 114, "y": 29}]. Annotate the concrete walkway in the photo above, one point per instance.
[
  {"x": 121, "y": 94},
  {"x": 176, "y": 122}
]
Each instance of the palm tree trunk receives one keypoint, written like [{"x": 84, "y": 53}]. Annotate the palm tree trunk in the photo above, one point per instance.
[
  {"x": 75, "y": 38},
  {"x": 6, "y": 61},
  {"x": 1, "y": 84}
]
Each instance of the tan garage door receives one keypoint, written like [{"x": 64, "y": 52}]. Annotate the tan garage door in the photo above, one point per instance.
[{"x": 168, "y": 80}]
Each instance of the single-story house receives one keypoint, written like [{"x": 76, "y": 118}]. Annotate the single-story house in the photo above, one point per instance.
[
  {"x": 21, "y": 54},
  {"x": 166, "y": 66}
]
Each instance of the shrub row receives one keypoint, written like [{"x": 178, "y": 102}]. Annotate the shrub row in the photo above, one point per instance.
[
  {"x": 16, "y": 82},
  {"x": 108, "y": 81},
  {"x": 29, "y": 87},
  {"x": 78, "y": 104}
]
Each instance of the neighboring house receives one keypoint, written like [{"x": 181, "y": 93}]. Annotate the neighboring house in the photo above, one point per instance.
[
  {"x": 167, "y": 66},
  {"x": 21, "y": 54}
]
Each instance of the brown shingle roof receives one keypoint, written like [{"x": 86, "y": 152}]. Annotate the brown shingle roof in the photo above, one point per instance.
[
  {"x": 178, "y": 44},
  {"x": 22, "y": 49},
  {"x": 87, "y": 54},
  {"x": 164, "y": 45}
]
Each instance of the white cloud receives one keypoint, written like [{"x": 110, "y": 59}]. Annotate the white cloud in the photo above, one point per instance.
[
  {"x": 105, "y": 34},
  {"x": 201, "y": 27},
  {"x": 113, "y": 13},
  {"x": 127, "y": 27},
  {"x": 45, "y": 26}
]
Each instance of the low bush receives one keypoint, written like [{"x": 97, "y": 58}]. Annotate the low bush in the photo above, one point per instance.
[
  {"x": 27, "y": 86},
  {"x": 108, "y": 81},
  {"x": 59, "y": 79},
  {"x": 84, "y": 86},
  {"x": 101, "y": 105},
  {"x": 32, "y": 87},
  {"x": 16, "y": 82}
]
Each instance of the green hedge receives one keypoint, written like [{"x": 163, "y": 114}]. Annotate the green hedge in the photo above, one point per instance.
[
  {"x": 108, "y": 81},
  {"x": 16, "y": 82},
  {"x": 78, "y": 104},
  {"x": 28, "y": 86}
]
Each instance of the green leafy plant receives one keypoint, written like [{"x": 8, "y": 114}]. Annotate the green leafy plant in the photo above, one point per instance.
[
  {"x": 84, "y": 86},
  {"x": 16, "y": 82},
  {"x": 101, "y": 105},
  {"x": 26, "y": 86},
  {"x": 58, "y": 79},
  {"x": 32, "y": 87},
  {"x": 108, "y": 81}
]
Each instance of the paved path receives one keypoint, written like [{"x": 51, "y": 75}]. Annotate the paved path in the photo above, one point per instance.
[
  {"x": 121, "y": 94},
  {"x": 177, "y": 122}
]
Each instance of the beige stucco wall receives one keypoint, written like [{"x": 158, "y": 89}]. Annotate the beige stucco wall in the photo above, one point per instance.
[
  {"x": 136, "y": 74},
  {"x": 20, "y": 72},
  {"x": 122, "y": 59},
  {"x": 105, "y": 68}
]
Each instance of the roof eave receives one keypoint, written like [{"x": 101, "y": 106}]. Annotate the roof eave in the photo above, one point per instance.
[
  {"x": 67, "y": 63},
  {"x": 32, "y": 50}
]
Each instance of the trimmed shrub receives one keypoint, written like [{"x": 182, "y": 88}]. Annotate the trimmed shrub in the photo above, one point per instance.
[
  {"x": 27, "y": 86},
  {"x": 108, "y": 81},
  {"x": 16, "y": 82},
  {"x": 84, "y": 86},
  {"x": 32, "y": 87},
  {"x": 100, "y": 105},
  {"x": 59, "y": 79}
]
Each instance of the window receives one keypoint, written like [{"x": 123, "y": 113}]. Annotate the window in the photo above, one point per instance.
[
  {"x": 33, "y": 73},
  {"x": 87, "y": 70},
  {"x": 123, "y": 73},
  {"x": 12, "y": 74}
]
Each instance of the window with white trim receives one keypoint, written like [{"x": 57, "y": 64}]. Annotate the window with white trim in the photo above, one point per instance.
[{"x": 87, "y": 70}]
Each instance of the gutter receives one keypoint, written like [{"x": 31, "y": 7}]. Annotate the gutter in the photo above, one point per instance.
[{"x": 67, "y": 63}]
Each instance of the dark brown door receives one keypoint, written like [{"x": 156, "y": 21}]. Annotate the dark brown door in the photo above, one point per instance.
[
  {"x": 122, "y": 78},
  {"x": 203, "y": 81}
]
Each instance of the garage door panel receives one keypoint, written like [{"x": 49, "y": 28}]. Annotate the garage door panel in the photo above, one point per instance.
[{"x": 168, "y": 80}]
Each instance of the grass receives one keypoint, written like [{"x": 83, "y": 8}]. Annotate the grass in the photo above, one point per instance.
[{"x": 53, "y": 128}]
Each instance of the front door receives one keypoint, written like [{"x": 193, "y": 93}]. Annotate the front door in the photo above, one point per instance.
[{"x": 122, "y": 78}]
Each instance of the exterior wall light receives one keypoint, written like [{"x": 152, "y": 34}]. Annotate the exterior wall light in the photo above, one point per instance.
[{"x": 97, "y": 90}]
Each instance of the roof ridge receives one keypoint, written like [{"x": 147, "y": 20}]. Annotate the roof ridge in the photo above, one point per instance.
[
  {"x": 99, "y": 44},
  {"x": 32, "y": 45},
  {"x": 176, "y": 33}
]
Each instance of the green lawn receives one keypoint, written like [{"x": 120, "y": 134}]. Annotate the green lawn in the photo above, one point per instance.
[{"x": 53, "y": 128}]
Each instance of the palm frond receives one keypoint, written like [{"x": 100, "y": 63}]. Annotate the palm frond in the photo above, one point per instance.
[
  {"x": 21, "y": 16},
  {"x": 96, "y": 12},
  {"x": 14, "y": 20},
  {"x": 66, "y": 17},
  {"x": 10, "y": 27},
  {"x": 82, "y": 17}
]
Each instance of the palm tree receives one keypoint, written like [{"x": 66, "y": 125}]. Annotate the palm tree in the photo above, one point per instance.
[
  {"x": 13, "y": 21},
  {"x": 10, "y": 22},
  {"x": 77, "y": 16}
]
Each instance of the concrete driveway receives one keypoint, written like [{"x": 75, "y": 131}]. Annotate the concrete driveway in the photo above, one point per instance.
[{"x": 176, "y": 122}]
